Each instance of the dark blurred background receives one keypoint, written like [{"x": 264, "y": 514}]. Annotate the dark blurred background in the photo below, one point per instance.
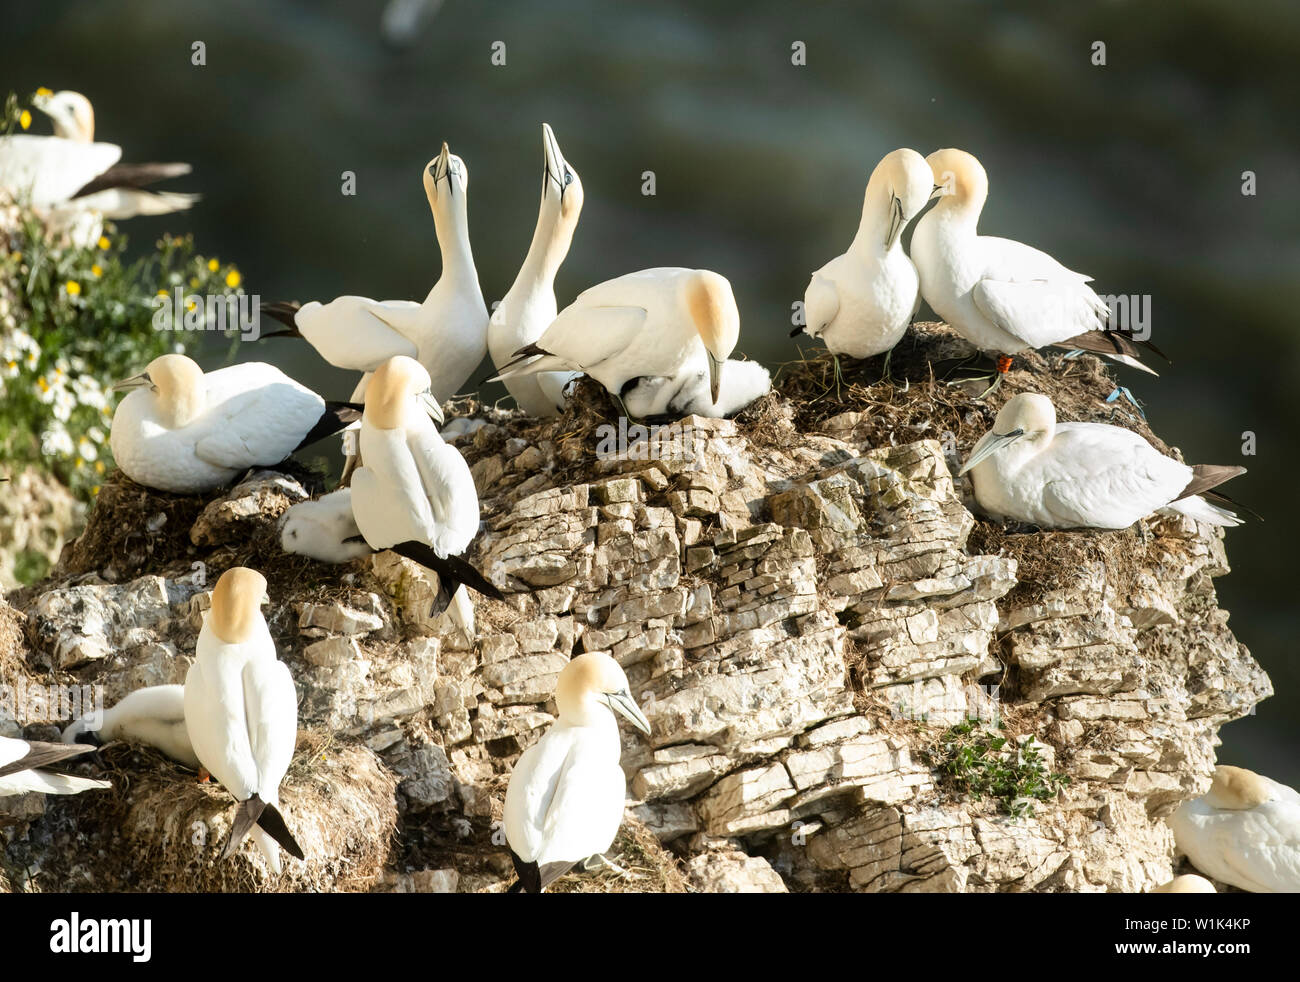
[{"x": 1130, "y": 172}]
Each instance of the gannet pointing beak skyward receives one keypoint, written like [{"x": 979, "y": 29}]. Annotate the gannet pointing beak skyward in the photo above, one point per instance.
[
  {"x": 564, "y": 803},
  {"x": 1029, "y": 468},
  {"x": 241, "y": 712},
  {"x": 1003, "y": 296},
  {"x": 528, "y": 308},
  {"x": 860, "y": 303},
  {"x": 181, "y": 430},
  {"x": 1245, "y": 831}
]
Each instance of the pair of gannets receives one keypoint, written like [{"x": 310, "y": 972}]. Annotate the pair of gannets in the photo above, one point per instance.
[
  {"x": 413, "y": 493},
  {"x": 77, "y": 180},
  {"x": 23, "y": 763},
  {"x": 154, "y": 716},
  {"x": 184, "y": 431},
  {"x": 1029, "y": 468},
  {"x": 241, "y": 712},
  {"x": 447, "y": 333},
  {"x": 860, "y": 303},
  {"x": 1245, "y": 831},
  {"x": 651, "y": 324},
  {"x": 564, "y": 803}
]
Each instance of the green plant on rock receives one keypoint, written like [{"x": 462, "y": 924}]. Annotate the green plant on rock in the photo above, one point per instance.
[{"x": 978, "y": 762}]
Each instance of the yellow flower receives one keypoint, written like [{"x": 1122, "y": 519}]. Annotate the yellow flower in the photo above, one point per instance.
[
  {"x": 45, "y": 386},
  {"x": 95, "y": 489},
  {"x": 25, "y": 119},
  {"x": 18, "y": 257},
  {"x": 162, "y": 293},
  {"x": 233, "y": 278},
  {"x": 79, "y": 464},
  {"x": 213, "y": 265},
  {"x": 194, "y": 281},
  {"x": 103, "y": 242},
  {"x": 73, "y": 288},
  {"x": 99, "y": 467},
  {"x": 97, "y": 270},
  {"x": 43, "y": 91}
]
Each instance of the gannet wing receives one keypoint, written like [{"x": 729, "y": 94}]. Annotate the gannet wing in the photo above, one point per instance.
[
  {"x": 217, "y": 723},
  {"x": 50, "y": 169},
  {"x": 271, "y": 704},
  {"x": 408, "y": 513},
  {"x": 1040, "y": 312},
  {"x": 1098, "y": 474},
  {"x": 22, "y": 755},
  {"x": 261, "y": 426},
  {"x": 585, "y": 812},
  {"x": 359, "y": 333},
  {"x": 579, "y": 339}
]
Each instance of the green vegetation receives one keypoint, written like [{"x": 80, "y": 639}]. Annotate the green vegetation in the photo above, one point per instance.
[{"x": 978, "y": 763}]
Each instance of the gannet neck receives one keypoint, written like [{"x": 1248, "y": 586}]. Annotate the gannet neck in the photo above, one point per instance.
[
  {"x": 180, "y": 391},
  {"x": 451, "y": 223},
  {"x": 236, "y": 614},
  {"x": 548, "y": 249},
  {"x": 963, "y": 188},
  {"x": 877, "y": 206},
  {"x": 1236, "y": 789},
  {"x": 390, "y": 395},
  {"x": 71, "y": 113}
]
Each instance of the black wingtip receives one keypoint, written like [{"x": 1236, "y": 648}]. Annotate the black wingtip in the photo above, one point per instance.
[
  {"x": 796, "y": 332},
  {"x": 246, "y": 816},
  {"x": 530, "y": 877},
  {"x": 284, "y": 311},
  {"x": 273, "y": 824},
  {"x": 452, "y": 570}
]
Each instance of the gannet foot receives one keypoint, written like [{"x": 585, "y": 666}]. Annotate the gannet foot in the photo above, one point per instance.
[
  {"x": 204, "y": 776},
  {"x": 1122, "y": 390}
]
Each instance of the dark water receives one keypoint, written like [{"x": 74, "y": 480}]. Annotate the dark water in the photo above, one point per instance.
[{"x": 1131, "y": 172}]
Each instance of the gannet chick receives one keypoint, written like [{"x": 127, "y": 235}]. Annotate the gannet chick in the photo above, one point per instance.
[
  {"x": 413, "y": 493},
  {"x": 688, "y": 393},
  {"x": 564, "y": 803},
  {"x": 1245, "y": 831},
  {"x": 241, "y": 711},
  {"x": 185, "y": 431},
  {"x": 529, "y": 306},
  {"x": 1029, "y": 468},
  {"x": 324, "y": 529},
  {"x": 23, "y": 763},
  {"x": 1003, "y": 296},
  {"x": 154, "y": 715},
  {"x": 860, "y": 303},
  {"x": 447, "y": 333},
  {"x": 644, "y": 324},
  {"x": 1187, "y": 883}
]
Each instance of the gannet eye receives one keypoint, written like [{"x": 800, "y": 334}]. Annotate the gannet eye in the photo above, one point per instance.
[{"x": 568, "y": 177}]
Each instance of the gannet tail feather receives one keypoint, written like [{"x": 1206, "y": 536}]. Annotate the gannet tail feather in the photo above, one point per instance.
[
  {"x": 337, "y": 416},
  {"x": 246, "y": 816},
  {"x": 132, "y": 176},
  {"x": 1204, "y": 511},
  {"x": 1118, "y": 345},
  {"x": 273, "y": 824},
  {"x": 43, "y": 754},
  {"x": 534, "y": 878},
  {"x": 452, "y": 570},
  {"x": 283, "y": 311},
  {"x": 1207, "y": 476},
  {"x": 529, "y": 360}
]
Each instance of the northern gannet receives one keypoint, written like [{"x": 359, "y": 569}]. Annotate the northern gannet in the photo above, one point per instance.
[
  {"x": 564, "y": 803},
  {"x": 241, "y": 711},
  {"x": 324, "y": 529},
  {"x": 687, "y": 393},
  {"x": 185, "y": 431},
  {"x": 1187, "y": 883},
  {"x": 1029, "y": 468},
  {"x": 22, "y": 764},
  {"x": 1245, "y": 831},
  {"x": 640, "y": 325},
  {"x": 1003, "y": 296},
  {"x": 69, "y": 176},
  {"x": 529, "y": 305},
  {"x": 447, "y": 333},
  {"x": 860, "y": 303},
  {"x": 154, "y": 715},
  {"x": 413, "y": 493}
]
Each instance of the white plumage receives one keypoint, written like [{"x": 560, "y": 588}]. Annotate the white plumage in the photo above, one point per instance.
[
  {"x": 154, "y": 715},
  {"x": 649, "y": 323},
  {"x": 1029, "y": 468},
  {"x": 565, "y": 799},
  {"x": 21, "y": 769},
  {"x": 320, "y": 529},
  {"x": 1245, "y": 832},
  {"x": 860, "y": 303},
  {"x": 687, "y": 393},
  {"x": 241, "y": 708},
  {"x": 184, "y": 431},
  {"x": 529, "y": 306}
]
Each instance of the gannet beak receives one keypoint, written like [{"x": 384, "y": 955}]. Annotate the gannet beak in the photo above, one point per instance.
[
  {"x": 995, "y": 442},
  {"x": 431, "y": 407},
  {"x": 715, "y": 375},
  {"x": 938, "y": 190},
  {"x": 265, "y": 601},
  {"x": 553, "y": 159},
  {"x": 895, "y": 221},
  {"x": 622, "y": 704},
  {"x": 794, "y": 334},
  {"x": 135, "y": 382},
  {"x": 442, "y": 166}
]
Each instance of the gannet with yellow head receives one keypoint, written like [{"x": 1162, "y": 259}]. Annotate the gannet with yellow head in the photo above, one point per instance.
[
  {"x": 641, "y": 325},
  {"x": 413, "y": 493},
  {"x": 529, "y": 305},
  {"x": 184, "y": 431},
  {"x": 860, "y": 303},
  {"x": 564, "y": 803},
  {"x": 241, "y": 712},
  {"x": 1003, "y": 296},
  {"x": 23, "y": 763},
  {"x": 1245, "y": 831},
  {"x": 1030, "y": 468}
]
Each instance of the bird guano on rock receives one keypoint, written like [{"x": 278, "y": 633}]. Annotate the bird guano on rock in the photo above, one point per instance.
[
  {"x": 1029, "y": 468},
  {"x": 564, "y": 803},
  {"x": 860, "y": 303},
  {"x": 184, "y": 431},
  {"x": 1001, "y": 295},
  {"x": 641, "y": 325},
  {"x": 529, "y": 305},
  {"x": 241, "y": 712}
]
